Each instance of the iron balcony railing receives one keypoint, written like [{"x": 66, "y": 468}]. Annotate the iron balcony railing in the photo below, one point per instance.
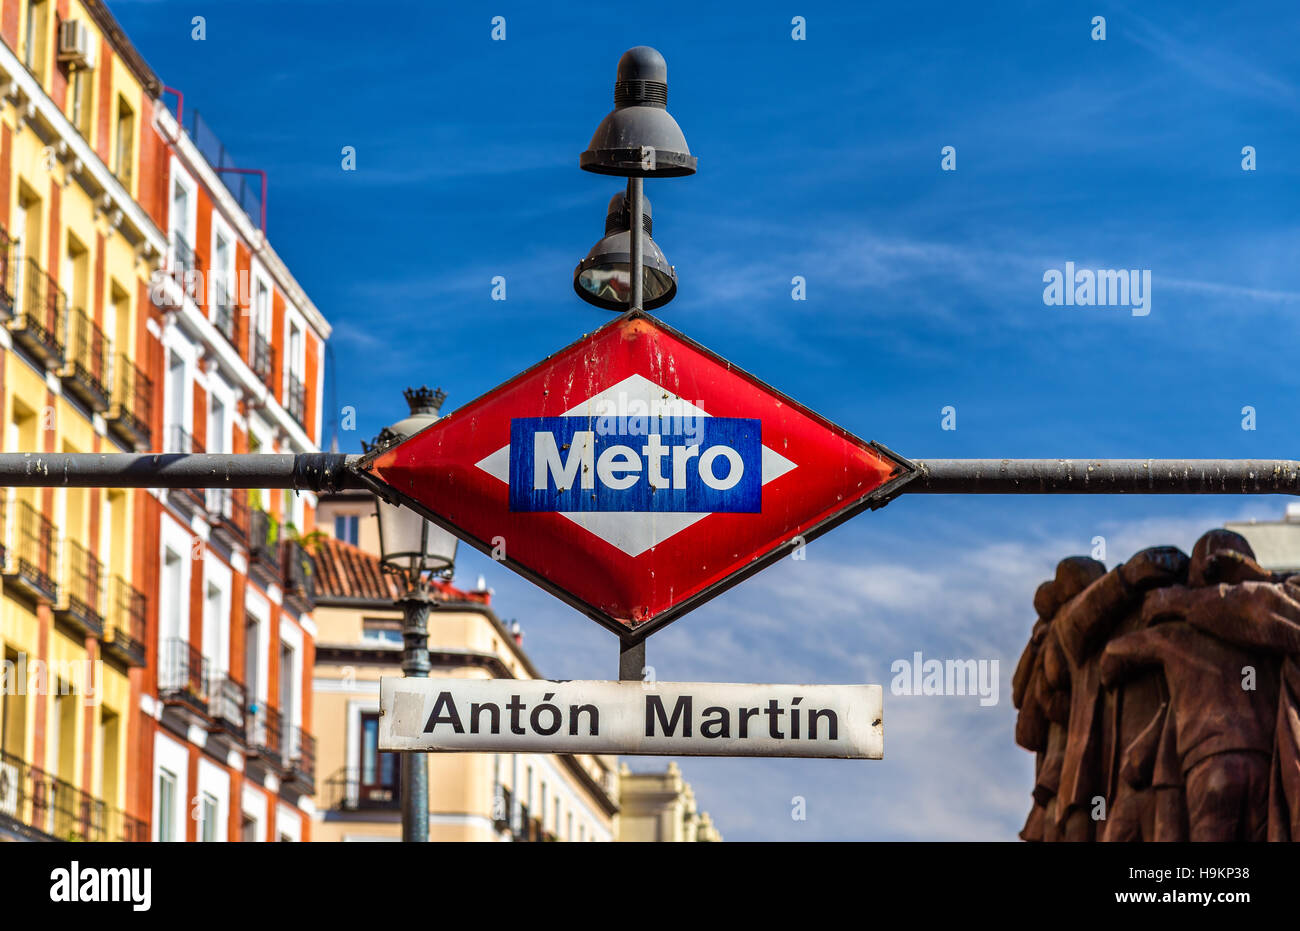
[
  {"x": 83, "y": 585},
  {"x": 180, "y": 440},
  {"x": 38, "y": 320},
  {"x": 227, "y": 703},
  {"x": 347, "y": 791},
  {"x": 227, "y": 315},
  {"x": 295, "y": 399},
  {"x": 263, "y": 359},
  {"x": 299, "y": 576},
  {"x": 184, "y": 675},
  {"x": 185, "y": 265},
  {"x": 124, "y": 633},
  {"x": 300, "y": 760},
  {"x": 228, "y": 511},
  {"x": 263, "y": 734},
  {"x": 8, "y": 295},
  {"x": 86, "y": 374},
  {"x": 132, "y": 408},
  {"x": 37, "y": 800},
  {"x": 32, "y": 560},
  {"x": 264, "y": 541}
]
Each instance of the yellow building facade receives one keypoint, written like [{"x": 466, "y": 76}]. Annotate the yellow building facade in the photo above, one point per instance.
[
  {"x": 79, "y": 241},
  {"x": 659, "y": 807}
]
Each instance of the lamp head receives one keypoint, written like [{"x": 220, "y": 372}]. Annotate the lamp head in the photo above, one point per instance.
[{"x": 639, "y": 139}]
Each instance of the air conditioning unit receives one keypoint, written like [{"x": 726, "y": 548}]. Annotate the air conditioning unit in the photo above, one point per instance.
[
  {"x": 9, "y": 789},
  {"x": 76, "y": 44}
]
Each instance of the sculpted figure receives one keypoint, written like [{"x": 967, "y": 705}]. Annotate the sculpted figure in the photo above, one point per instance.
[
  {"x": 1050, "y": 687},
  {"x": 1221, "y": 738},
  {"x": 1079, "y": 631},
  {"x": 1032, "y": 724},
  {"x": 1135, "y": 727}
]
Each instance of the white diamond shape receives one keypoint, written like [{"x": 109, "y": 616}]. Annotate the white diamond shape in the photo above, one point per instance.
[{"x": 634, "y": 532}]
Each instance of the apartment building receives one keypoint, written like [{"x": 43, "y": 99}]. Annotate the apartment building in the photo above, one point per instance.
[
  {"x": 228, "y": 704},
  {"x": 157, "y": 644},
  {"x": 80, "y": 236},
  {"x": 472, "y": 796}
]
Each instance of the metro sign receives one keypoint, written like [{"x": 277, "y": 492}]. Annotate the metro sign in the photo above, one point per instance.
[{"x": 635, "y": 474}]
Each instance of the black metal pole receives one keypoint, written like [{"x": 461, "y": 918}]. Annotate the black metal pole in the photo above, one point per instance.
[
  {"x": 1105, "y": 476},
  {"x": 337, "y": 472},
  {"x": 303, "y": 471},
  {"x": 631, "y": 661},
  {"x": 415, "y": 766},
  {"x": 636, "y": 207}
]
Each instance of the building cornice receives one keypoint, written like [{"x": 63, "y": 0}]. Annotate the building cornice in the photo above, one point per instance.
[{"x": 129, "y": 54}]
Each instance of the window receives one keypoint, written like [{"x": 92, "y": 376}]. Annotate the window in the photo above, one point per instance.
[
  {"x": 346, "y": 528},
  {"x": 377, "y": 785},
  {"x": 208, "y": 825},
  {"x": 248, "y": 832},
  {"x": 34, "y": 53},
  {"x": 166, "y": 805},
  {"x": 178, "y": 434},
  {"x": 83, "y": 90},
  {"x": 382, "y": 630},
  {"x": 125, "y": 152}
]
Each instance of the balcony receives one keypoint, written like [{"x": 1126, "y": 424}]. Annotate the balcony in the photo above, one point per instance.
[
  {"x": 295, "y": 400},
  {"x": 347, "y": 791},
  {"x": 184, "y": 678},
  {"x": 125, "y": 632},
  {"x": 7, "y": 265},
  {"x": 299, "y": 577},
  {"x": 263, "y": 360},
  {"x": 226, "y": 705},
  {"x": 300, "y": 761},
  {"x": 37, "y": 322},
  {"x": 30, "y": 566},
  {"x": 37, "y": 805},
  {"x": 185, "y": 265},
  {"x": 263, "y": 736},
  {"x": 228, "y": 514},
  {"x": 264, "y": 547},
  {"x": 130, "y": 413},
  {"x": 83, "y": 587},
  {"x": 180, "y": 440},
  {"x": 85, "y": 373},
  {"x": 227, "y": 316}
]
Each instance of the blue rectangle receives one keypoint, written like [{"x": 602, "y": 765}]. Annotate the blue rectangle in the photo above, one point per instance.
[{"x": 686, "y": 464}]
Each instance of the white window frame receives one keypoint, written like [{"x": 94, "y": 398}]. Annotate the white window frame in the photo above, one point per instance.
[
  {"x": 214, "y": 781},
  {"x": 175, "y": 759},
  {"x": 221, "y": 229},
  {"x": 217, "y": 575},
  {"x": 187, "y": 229}
]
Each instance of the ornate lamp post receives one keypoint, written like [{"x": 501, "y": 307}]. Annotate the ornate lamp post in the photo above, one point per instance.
[{"x": 415, "y": 552}]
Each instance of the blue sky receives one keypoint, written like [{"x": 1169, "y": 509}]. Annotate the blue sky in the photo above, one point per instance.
[{"x": 818, "y": 158}]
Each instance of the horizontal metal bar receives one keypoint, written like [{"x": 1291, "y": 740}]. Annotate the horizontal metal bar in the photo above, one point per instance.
[
  {"x": 337, "y": 472},
  {"x": 303, "y": 471},
  {"x": 1105, "y": 477}
]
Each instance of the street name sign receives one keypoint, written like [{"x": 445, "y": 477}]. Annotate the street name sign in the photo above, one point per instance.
[
  {"x": 629, "y": 718},
  {"x": 635, "y": 474}
]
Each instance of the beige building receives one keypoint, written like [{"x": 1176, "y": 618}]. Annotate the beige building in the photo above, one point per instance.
[
  {"x": 472, "y": 796},
  {"x": 659, "y": 807},
  {"x": 1276, "y": 543}
]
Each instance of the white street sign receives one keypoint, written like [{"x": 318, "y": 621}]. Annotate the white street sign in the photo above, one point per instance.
[{"x": 659, "y": 718}]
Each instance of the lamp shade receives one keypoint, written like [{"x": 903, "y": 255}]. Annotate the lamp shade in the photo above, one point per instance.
[
  {"x": 412, "y": 546},
  {"x": 604, "y": 277},
  {"x": 639, "y": 138}
]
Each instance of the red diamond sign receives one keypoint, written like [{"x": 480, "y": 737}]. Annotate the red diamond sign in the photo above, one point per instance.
[{"x": 635, "y": 474}]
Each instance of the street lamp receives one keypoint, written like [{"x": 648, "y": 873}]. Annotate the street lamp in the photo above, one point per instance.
[
  {"x": 604, "y": 277},
  {"x": 415, "y": 552},
  {"x": 638, "y": 139}
]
